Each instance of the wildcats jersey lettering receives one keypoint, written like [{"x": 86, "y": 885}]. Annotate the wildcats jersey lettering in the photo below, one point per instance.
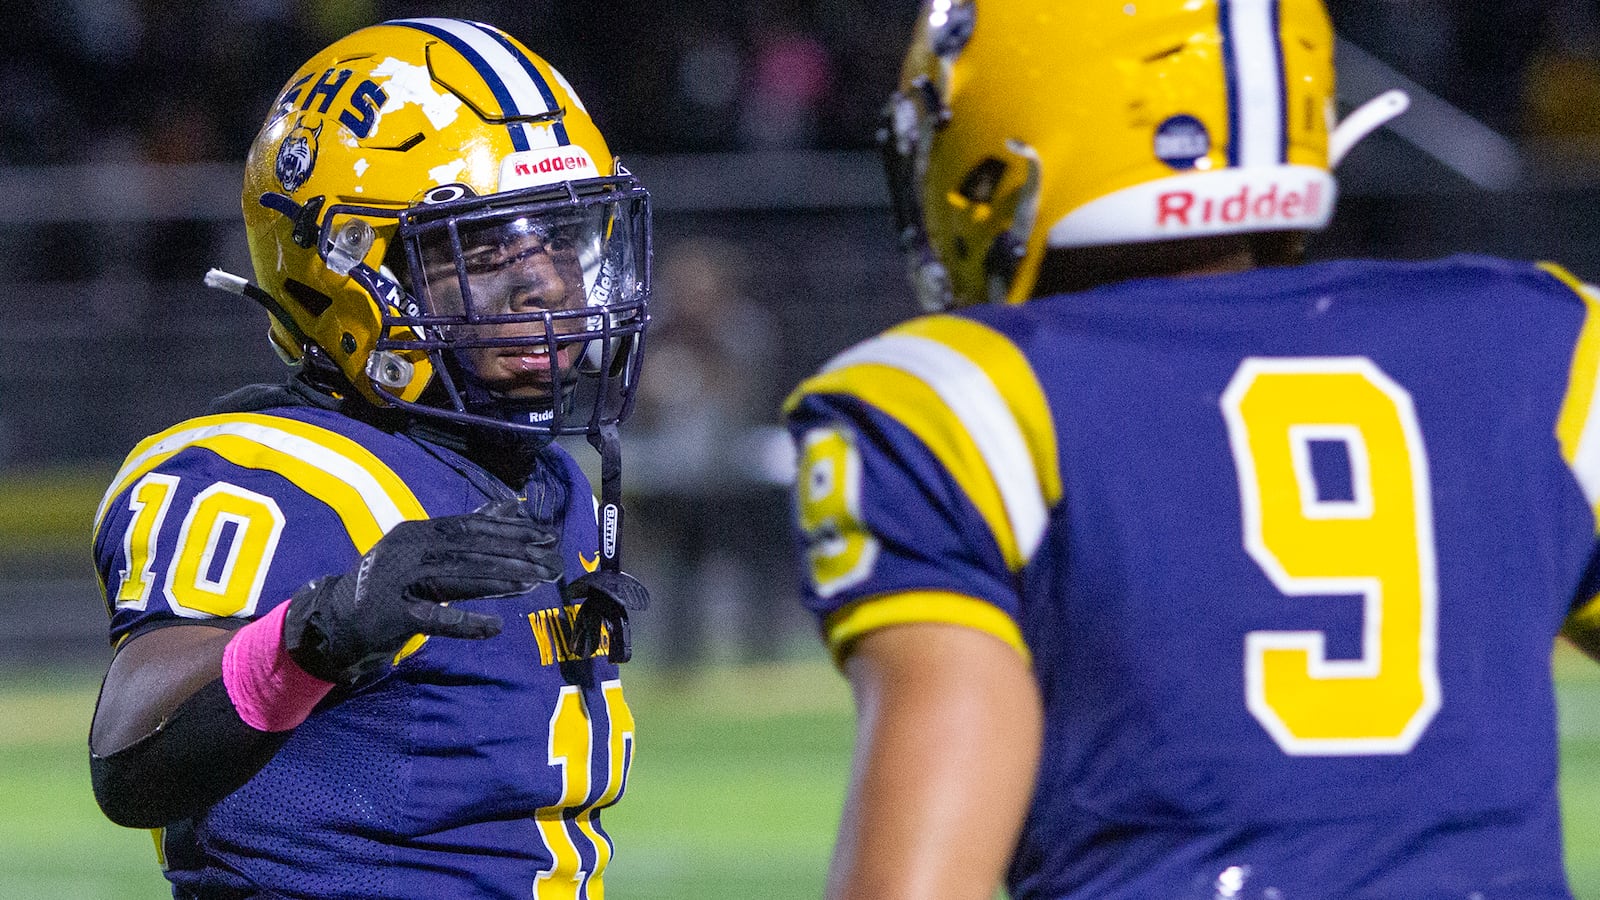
[
  {"x": 1287, "y": 551},
  {"x": 471, "y": 768}
]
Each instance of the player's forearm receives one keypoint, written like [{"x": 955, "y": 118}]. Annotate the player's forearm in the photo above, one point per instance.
[
  {"x": 150, "y": 677},
  {"x": 198, "y": 755},
  {"x": 946, "y": 755},
  {"x": 188, "y": 714}
]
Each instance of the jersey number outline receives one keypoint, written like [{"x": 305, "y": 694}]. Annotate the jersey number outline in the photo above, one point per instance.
[
  {"x": 148, "y": 501},
  {"x": 1378, "y": 544},
  {"x": 571, "y": 746},
  {"x": 840, "y": 552},
  {"x": 225, "y": 547}
]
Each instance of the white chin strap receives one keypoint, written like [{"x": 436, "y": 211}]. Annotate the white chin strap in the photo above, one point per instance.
[{"x": 1369, "y": 117}]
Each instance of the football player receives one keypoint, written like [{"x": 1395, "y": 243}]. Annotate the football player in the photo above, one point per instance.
[
  {"x": 1164, "y": 565},
  {"x": 367, "y": 624}
]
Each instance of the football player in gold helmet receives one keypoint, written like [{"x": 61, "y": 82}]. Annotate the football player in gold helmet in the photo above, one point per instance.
[
  {"x": 1160, "y": 564},
  {"x": 367, "y": 623}
]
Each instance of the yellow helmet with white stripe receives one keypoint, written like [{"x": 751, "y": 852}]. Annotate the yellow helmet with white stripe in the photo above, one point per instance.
[
  {"x": 406, "y": 185},
  {"x": 1022, "y": 126}
]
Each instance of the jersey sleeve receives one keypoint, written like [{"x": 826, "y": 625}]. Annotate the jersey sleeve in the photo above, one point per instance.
[
  {"x": 1578, "y": 433},
  {"x": 927, "y": 471},
  {"x": 223, "y": 518}
]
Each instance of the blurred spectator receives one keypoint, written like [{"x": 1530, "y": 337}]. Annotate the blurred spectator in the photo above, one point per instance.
[
  {"x": 791, "y": 77},
  {"x": 1562, "y": 91},
  {"x": 709, "y": 78},
  {"x": 699, "y": 447},
  {"x": 1472, "y": 53},
  {"x": 90, "y": 79}
]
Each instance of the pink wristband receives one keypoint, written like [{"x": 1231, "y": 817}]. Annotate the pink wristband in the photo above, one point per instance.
[{"x": 268, "y": 689}]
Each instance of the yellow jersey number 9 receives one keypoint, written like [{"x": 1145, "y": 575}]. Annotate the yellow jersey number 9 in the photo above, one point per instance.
[{"x": 1376, "y": 542}]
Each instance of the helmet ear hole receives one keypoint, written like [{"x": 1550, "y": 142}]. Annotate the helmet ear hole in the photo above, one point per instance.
[
  {"x": 305, "y": 222},
  {"x": 309, "y": 298},
  {"x": 983, "y": 180}
]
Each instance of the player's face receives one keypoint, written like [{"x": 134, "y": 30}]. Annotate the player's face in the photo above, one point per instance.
[{"x": 515, "y": 272}]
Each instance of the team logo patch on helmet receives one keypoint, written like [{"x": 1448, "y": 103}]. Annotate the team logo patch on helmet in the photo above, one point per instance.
[
  {"x": 297, "y": 156},
  {"x": 1182, "y": 141}
]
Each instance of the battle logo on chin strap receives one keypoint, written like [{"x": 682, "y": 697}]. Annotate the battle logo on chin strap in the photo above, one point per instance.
[{"x": 608, "y": 593}]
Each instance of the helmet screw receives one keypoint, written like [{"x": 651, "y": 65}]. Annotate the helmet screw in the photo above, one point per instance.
[
  {"x": 389, "y": 369},
  {"x": 348, "y": 342}
]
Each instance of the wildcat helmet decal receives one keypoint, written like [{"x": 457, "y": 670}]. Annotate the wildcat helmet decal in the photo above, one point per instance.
[{"x": 297, "y": 155}]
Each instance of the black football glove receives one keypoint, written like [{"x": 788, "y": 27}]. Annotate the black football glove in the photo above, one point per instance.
[
  {"x": 606, "y": 597},
  {"x": 342, "y": 627}
]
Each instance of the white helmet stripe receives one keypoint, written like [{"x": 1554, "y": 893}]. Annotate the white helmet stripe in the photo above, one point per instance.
[
  {"x": 519, "y": 87},
  {"x": 1253, "y": 59}
]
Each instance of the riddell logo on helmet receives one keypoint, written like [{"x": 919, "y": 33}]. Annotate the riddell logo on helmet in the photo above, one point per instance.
[
  {"x": 1249, "y": 205},
  {"x": 546, "y": 165},
  {"x": 554, "y": 164}
]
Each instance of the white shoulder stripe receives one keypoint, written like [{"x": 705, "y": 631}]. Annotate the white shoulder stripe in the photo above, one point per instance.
[
  {"x": 383, "y": 508},
  {"x": 1586, "y": 458},
  {"x": 972, "y": 397}
]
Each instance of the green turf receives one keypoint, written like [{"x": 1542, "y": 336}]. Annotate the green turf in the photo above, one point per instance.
[
  {"x": 736, "y": 788},
  {"x": 56, "y": 844},
  {"x": 1579, "y": 681},
  {"x": 734, "y": 794}
]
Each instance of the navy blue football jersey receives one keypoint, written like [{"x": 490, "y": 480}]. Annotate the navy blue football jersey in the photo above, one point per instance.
[
  {"x": 469, "y": 769},
  {"x": 1287, "y": 550}
]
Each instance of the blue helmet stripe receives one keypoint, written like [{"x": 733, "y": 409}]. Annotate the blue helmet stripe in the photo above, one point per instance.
[
  {"x": 1230, "y": 74},
  {"x": 1253, "y": 66},
  {"x": 1283, "y": 82},
  {"x": 507, "y": 78},
  {"x": 533, "y": 74}
]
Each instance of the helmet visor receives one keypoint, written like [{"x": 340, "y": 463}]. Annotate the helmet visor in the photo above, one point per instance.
[{"x": 521, "y": 300}]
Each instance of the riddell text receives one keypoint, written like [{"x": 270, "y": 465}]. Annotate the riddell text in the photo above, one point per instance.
[
  {"x": 553, "y": 164},
  {"x": 1186, "y": 208}
]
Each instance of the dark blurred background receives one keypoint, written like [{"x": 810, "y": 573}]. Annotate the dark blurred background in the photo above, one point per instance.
[{"x": 123, "y": 125}]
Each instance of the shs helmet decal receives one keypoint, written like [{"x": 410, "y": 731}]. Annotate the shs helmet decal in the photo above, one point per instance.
[{"x": 437, "y": 224}]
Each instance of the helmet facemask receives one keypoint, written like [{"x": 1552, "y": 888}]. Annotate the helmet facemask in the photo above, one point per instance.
[
  {"x": 530, "y": 304},
  {"x": 904, "y": 136},
  {"x": 1026, "y": 129}
]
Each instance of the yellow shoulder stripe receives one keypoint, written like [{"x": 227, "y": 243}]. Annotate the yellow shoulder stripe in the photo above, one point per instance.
[
  {"x": 1587, "y": 617},
  {"x": 1577, "y": 411},
  {"x": 366, "y": 494},
  {"x": 856, "y": 619},
  {"x": 1575, "y": 407},
  {"x": 971, "y": 397},
  {"x": 912, "y": 403},
  {"x": 1013, "y": 375}
]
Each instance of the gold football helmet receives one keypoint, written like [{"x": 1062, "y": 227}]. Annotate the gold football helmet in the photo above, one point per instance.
[
  {"x": 1025, "y": 125},
  {"x": 436, "y": 223}
]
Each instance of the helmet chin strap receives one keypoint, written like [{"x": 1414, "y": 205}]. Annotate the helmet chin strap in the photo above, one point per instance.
[
  {"x": 1365, "y": 120},
  {"x": 608, "y": 593},
  {"x": 608, "y": 444}
]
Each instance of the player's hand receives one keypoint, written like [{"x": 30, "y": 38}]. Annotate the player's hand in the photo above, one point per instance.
[{"x": 344, "y": 626}]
